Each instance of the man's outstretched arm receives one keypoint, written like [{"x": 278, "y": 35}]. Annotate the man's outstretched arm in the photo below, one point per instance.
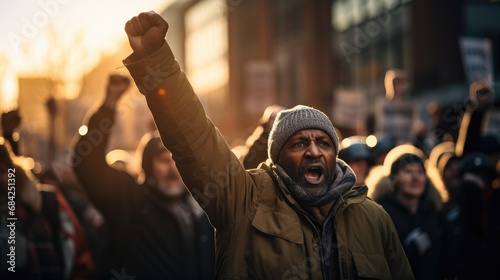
[
  {"x": 103, "y": 184},
  {"x": 215, "y": 177}
]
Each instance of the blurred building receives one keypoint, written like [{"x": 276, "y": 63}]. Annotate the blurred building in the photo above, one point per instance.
[
  {"x": 49, "y": 139},
  {"x": 423, "y": 38},
  {"x": 34, "y": 133},
  {"x": 334, "y": 55},
  {"x": 242, "y": 56}
]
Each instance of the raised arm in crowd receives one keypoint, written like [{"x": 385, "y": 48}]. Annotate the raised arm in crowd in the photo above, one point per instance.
[{"x": 299, "y": 215}]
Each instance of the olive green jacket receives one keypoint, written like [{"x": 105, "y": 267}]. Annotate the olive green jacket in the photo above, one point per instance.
[{"x": 261, "y": 231}]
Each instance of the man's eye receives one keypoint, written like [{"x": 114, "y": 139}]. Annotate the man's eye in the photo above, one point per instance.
[
  {"x": 324, "y": 144},
  {"x": 299, "y": 145}
]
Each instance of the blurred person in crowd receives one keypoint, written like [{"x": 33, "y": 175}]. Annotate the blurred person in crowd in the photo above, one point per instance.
[
  {"x": 383, "y": 146},
  {"x": 359, "y": 157},
  {"x": 299, "y": 215},
  {"x": 479, "y": 211},
  {"x": 381, "y": 183},
  {"x": 49, "y": 241},
  {"x": 257, "y": 142},
  {"x": 453, "y": 254},
  {"x": 471, "y": 137},
  {"x": 156, "y": 229},
  {"x": 421, "y": 138},
  {"x": 479, "y": 154},
  {"x": 92, "y": 221},
  {"x": 380, "y": 150},
  {"x": 442, "y": 169},
  {"x": 415, "y": 216},
  {"x": 10, "y": 124}
]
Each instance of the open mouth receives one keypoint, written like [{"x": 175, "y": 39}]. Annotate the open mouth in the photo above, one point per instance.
[{"x": 314, "y": 175}]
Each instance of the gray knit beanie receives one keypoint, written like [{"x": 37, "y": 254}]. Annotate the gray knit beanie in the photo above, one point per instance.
[{"x": 288, "y": 122}]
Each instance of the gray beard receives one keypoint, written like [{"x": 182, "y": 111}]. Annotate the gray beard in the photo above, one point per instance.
[{"x": 342, "y": 180}]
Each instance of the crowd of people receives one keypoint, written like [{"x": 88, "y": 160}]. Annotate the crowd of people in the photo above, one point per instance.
[{"x": 292, "y": 203}]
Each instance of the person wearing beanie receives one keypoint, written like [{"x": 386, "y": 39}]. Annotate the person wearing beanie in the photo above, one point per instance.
[
  {"x": 156, "y": 229},
  {"x": 360, "y": 158},
  {"x": 297, "y": 216}
]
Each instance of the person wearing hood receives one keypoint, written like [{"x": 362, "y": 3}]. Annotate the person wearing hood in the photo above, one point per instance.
[
  {"x": 299, "y": 215},
  {"x": 156, "y": 229},
  {"x": 415, "y": 215}
]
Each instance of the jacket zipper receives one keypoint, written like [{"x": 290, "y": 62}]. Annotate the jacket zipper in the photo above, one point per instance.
[{"x": 325, "y": 264}]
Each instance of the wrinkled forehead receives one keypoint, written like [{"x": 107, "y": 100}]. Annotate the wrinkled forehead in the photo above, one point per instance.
[{"x": 312, "y": 133}]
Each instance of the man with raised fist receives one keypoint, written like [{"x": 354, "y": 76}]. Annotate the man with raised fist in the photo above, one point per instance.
[
  {"x": 298, "y": 216},
  {"x": 156, "y": 230}
]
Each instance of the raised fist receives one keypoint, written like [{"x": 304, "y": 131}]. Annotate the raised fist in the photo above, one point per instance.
[
  {"x": 10, "y": 121},
  {"x": 481, "y": 94},
  {"x": 117, "y": 85},
  {"x": 146, "y": 34}
]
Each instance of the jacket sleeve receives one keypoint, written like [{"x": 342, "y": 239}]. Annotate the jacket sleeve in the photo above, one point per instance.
[
  {"x": 213, "y": 174},
  {"x": 107, "y": 188}
]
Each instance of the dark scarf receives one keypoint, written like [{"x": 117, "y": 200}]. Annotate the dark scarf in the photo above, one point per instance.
[{"x": 343, "y": 180}]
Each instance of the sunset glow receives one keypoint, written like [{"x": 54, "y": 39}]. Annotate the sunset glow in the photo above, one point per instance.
[{"x": 62, "y": 36}]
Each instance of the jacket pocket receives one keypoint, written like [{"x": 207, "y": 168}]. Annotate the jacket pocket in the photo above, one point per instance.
[
  {"x": 371, "y": 266},
  {"x": 278, "y": 224}
]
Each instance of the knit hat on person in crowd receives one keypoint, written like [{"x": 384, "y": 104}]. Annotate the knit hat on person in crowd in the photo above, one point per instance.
[
  {"x": 149, "y": 147},
  {"x": 288, "y": 122}
]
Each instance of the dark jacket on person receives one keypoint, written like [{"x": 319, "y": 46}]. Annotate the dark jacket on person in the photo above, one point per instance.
[
  {"x": 480, "y": 201},
  {"x": 151, "y": 236},
  {"x": 420, "y": 233},
  {"x": 262, "y": 232}
]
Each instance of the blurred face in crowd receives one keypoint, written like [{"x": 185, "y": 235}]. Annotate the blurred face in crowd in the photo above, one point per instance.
[
  {"x": 450, "y": 174},
  {"x": 309, "y": 158},
  {"x": 166, "y": 175},
  {"x": 360, "y": 168},
  {"x": 410, "y": 180}
]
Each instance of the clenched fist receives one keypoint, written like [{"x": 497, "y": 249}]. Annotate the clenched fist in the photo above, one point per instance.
[
  {"x": 481, "y": 94},
  {"x": 117, "y": 85},
  {"x": 146, "y": 34}
]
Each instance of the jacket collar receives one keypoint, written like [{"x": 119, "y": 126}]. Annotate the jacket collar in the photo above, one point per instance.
[{"x": 277, "y": 213}]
